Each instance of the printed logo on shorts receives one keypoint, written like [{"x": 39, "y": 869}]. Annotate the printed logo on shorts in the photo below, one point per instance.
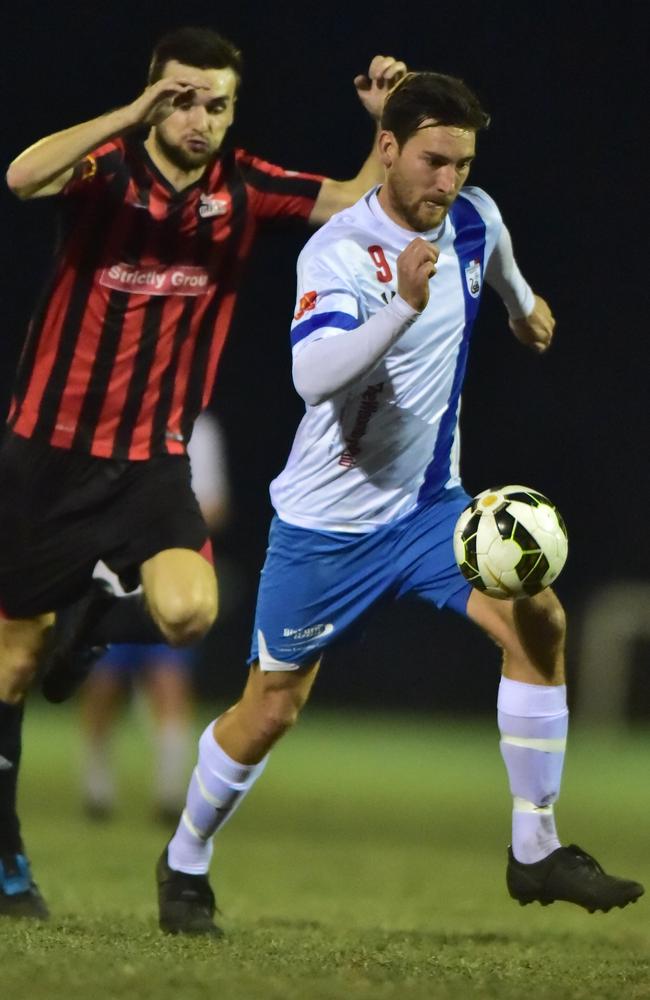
[
  {"x": 473, "y": 277},
  {"x": 311, "y": 632}
]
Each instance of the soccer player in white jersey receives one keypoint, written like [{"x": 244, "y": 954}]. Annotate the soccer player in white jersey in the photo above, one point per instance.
[{"x": 388, "y": 291}]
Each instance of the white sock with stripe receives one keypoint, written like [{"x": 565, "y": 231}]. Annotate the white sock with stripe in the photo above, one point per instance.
[
  {"x": 533, "y": 722},
  {"x": 216, "y": 788}
]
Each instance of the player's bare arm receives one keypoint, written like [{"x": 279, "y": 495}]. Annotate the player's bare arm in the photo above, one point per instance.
[
  {"x": 47, "y": 166},
  {"x": 372, "y": 88},
  {"x": 535, "y": 330},
  {"x": 416, "y": 265}
]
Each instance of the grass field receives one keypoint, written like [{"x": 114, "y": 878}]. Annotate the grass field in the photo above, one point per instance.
[{"x": 368, "y": 863}]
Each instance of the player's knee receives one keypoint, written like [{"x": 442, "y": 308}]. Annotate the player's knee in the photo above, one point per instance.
[
  {"x": 279, "y": 711},
  {"x": 184, "y": 617}
]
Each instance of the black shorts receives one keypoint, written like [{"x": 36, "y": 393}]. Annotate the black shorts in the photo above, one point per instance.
[{"x": 62, "y": 511}]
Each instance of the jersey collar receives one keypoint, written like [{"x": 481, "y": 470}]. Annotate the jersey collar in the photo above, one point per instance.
[{"x": 431, "y": 235}]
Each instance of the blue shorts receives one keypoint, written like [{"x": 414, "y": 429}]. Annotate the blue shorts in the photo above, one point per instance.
[
  {"x": 127, "y": 659},
  {"x": 316, "y": 585}
]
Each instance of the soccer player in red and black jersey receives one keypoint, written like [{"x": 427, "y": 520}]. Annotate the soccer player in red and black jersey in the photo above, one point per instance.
[{"x": 120, "y": 357}]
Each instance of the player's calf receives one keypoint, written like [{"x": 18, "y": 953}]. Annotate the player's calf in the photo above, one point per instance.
[{"x": 540, "y": 623}]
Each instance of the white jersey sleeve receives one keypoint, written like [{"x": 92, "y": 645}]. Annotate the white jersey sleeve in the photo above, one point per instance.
[
  {"x": 207, "y": 456},
  {"x": 327, "y": 301},
  {"x": 501, "y": 270},
  {"x": 326, "y": 366}
]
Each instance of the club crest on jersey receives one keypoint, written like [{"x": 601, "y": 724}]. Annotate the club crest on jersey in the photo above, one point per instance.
[
  {"x": 212, "y": 205},
  {"x": 473, "y": 277}
]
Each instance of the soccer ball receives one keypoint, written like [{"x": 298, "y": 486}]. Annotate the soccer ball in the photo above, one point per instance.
[{"x": 510, "y": 542}]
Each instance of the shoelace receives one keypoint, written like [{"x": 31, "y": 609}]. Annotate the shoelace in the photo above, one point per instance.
[{"x": 581, "y": 857}]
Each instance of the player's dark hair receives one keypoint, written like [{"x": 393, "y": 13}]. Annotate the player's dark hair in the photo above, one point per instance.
[
  {"x": 199, "y": 47},
  {"x": 418, "y": 97}
]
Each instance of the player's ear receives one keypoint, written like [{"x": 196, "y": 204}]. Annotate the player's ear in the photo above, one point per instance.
[{"x": 388, "y": 148}]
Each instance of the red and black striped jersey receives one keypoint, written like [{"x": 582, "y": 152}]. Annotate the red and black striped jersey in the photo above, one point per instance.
[{"x": 122, "y": 352}]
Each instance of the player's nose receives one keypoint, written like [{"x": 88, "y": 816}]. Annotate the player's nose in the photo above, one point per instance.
[
  {"x": 446, "y": 178},
  {"x": 198, "y": 115}
]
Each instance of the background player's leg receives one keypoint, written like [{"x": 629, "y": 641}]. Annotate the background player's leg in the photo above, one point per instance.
[
  {"x": 102, "y": 699},
  {"x": 532, "y": 711},
  {"x": 232, "y": 754},
  {"x": 21, "y": 643},
  {"x": 168, "y": 687}
]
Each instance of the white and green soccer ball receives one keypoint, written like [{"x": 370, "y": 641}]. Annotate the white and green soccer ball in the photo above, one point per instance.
[{"x": 510, "y": 542}]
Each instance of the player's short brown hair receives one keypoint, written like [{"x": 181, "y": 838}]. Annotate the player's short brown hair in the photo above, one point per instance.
[
  {"x": 419, "y": 97},
  {"x": 199, "y": 47}
]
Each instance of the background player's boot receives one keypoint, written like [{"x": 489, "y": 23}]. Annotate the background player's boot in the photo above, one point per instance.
[
  {"x": 569, "y": 874},
  {"x": 71, "y": 658},
  {"x": 19, "y": 894},
  {"x": 186, "y": 903}
]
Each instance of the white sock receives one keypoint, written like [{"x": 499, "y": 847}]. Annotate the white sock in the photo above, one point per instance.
[
  {"x": 533, "y": 722},
  {"x": 172, "y": 743},
  {"x": 216, "y": 788},
  {"x": 98, "y": 780}
]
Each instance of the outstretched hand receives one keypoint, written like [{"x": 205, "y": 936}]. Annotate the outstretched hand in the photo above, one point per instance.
[
  {"x": 161, "y": 99},
  {"x": 383, "y": 73},
  {"x": 535, "y": 330}
]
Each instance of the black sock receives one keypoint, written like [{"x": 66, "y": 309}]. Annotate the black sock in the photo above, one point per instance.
[
  {"x": 122, "y": 619},
  {"x": 11, "y": 717}
]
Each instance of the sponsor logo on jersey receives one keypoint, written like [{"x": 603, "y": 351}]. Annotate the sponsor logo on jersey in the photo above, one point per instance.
[
  {"x": 306, "y": 304},
  {"x": 211, "y": 205},
  {"x": 369, "y": 404},
  {"x": 473, "y": 277},
  {"x": 311, "y": 632},
  {"x": 181, "y": 279}
]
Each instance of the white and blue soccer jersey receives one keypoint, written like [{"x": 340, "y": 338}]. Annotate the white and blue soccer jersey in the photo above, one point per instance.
[{"x": 389, "y": 441}]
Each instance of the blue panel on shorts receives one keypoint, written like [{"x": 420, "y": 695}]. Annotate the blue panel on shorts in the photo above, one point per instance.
[
  {"x": 316, "y": 585},
  {"x": 130, "y": 658}
]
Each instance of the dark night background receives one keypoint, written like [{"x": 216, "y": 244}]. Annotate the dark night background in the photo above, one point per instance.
[{"x": 563, "y": 159}]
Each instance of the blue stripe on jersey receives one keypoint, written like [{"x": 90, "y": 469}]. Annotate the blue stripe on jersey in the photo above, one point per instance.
[
  {"x": 339, "y": 320},
  {"x": 469, "y": 244}
]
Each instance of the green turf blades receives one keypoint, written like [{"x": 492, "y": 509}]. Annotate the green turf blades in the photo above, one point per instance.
[{"x": 366, "y": 865}]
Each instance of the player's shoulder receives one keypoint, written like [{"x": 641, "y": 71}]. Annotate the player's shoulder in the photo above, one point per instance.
[
  {"x": 250, "y": 161},
  {"x": 484, "y": 204},
  {"x": 343, "y": 239}
]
